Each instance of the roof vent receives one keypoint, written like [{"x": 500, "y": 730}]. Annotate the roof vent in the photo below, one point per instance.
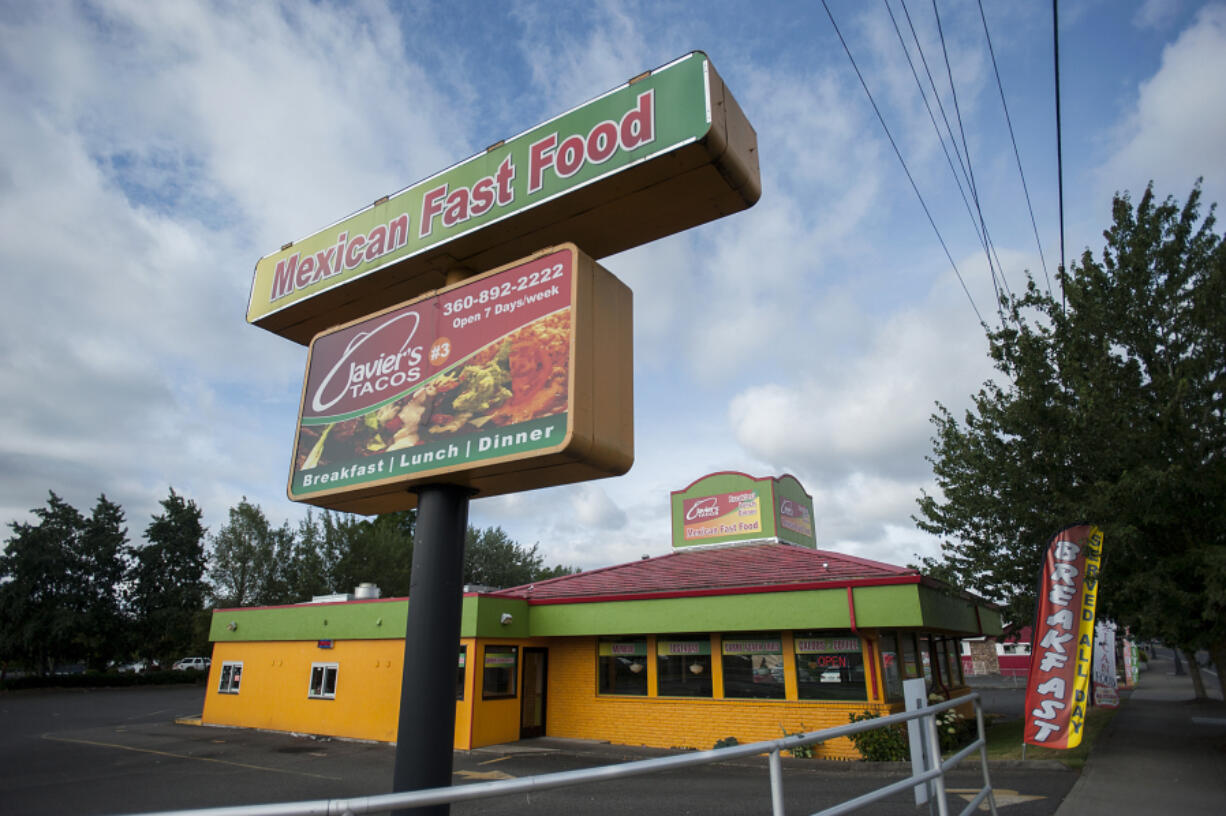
[{"x": 336, "y": 597}]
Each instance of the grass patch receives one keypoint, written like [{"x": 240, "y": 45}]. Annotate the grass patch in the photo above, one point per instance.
[{"x": 1005, "y": 740}]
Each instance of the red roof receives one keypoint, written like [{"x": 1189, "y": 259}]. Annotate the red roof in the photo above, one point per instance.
[{"x": 716, "y": 571}]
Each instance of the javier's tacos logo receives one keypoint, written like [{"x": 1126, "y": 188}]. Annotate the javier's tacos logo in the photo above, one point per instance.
[
  {"x": 703, "y": 509},
  {"x": 368, "y": 371}
]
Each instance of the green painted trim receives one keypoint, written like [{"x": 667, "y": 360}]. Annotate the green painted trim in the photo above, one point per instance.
[
  {"x": 887, "y": 606},
  {"x": 993, "y": 623},
  {"x": 948, "y": 612},
  {"x": 483, "y": 618},
  {"x": 723, "y": 613},
  {"x": 884, "y": 607},
  {"x": 365, "y": 620}
]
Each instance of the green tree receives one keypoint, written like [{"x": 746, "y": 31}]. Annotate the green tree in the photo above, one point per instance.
[
  {"x": 245, "y": 559},
  {"x": 38, "y": 591},
  {"x": 100, "y": 568},
  {"x": 1108, "y": 409},
  {"x": 379, "y": 550},
  {"x": 167, "y": 586},
  {"x": 493, "y": 559},
  {"x": 310, "y": 570}
]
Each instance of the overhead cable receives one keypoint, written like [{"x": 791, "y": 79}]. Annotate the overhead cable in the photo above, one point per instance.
[
  {"x": 901, "y": 160},
  {"x": 975, "y": 224},
  {"x": 1055, "y": 31},
  {"x": 970, "y": 168},
  {"x": 1016, "y": 153}
]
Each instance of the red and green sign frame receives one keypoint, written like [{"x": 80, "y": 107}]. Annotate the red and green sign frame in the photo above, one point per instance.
[
  {"x": 662, "y": 153},
  {"x": 515, "y": 379},
  {"x": 729, "y": 507}
]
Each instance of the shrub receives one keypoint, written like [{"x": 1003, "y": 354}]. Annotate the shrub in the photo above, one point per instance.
[
  {"x": 726, "y": 742},
  {"x": 954, "y": 730},
  {"x": 800, "y": 751},
  {"x": 880, "y": 744}
]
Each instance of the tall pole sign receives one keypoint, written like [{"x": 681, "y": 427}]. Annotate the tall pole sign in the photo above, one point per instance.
[
  {"x": 667, "y": 151},
  {"x": 431, "y": 380}
]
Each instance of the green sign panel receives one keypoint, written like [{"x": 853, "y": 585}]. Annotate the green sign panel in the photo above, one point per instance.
[
  {"x": 729, "y": 507},
  {"x": 631, "y": 125}
]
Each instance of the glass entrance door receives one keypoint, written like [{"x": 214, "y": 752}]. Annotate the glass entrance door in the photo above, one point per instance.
[{"x": 532, "y": 708}]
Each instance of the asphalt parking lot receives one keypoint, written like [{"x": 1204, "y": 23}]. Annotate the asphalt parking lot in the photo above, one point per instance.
[{"x": 112, "y": 751}]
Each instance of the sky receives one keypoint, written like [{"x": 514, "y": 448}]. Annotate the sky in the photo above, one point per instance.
[{"x": 152, "y": 152}]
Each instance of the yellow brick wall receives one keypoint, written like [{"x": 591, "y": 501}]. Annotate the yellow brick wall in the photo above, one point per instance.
[
  {"x": 276, "y": 676},
  {"x": 575, "y": 710}
]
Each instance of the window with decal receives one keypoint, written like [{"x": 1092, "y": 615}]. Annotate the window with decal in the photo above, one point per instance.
[
  {"x": 683, "y": 666},
  {"x": 953, "y": 663},
  {"x": 621, "y": 666},
  {"x": 231, "y": 677},
  {"x": 891, "y": 665},
  {"x": 323, "y": 680},
  {"x": 459, "y": 678},
  {"x": 499, "y": 671},
  {"x": 910, "y": 656},
  {"x": 829, "y": 666},
  {"x": 753, "y": 666}
]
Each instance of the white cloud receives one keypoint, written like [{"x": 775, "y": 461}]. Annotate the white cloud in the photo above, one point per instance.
[
  {"x": 1177, "y": 130},
  {"x": 1156, "y": 14}
]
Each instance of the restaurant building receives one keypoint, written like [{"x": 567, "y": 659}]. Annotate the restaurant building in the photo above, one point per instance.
[{"x": 750, "y": 636}]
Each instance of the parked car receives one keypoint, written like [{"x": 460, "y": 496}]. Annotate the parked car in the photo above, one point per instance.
[
  {"x": 198, "y": 663},
  {"x": 135, "y": 667}
]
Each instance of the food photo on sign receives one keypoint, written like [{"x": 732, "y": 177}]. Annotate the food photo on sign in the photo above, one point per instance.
[
  {"x": 519, "y": 377},
  {"x": 467, "y": 378}
]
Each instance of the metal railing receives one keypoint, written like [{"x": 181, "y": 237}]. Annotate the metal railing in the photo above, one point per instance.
[{"x": 933, "y": 776}]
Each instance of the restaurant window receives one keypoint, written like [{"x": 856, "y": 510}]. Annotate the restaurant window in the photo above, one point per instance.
[
  {"x": 829, "y": 666},
  {"x": 621, "y": 666},
  {"x": 910, "y": 658},
  {"x": 323, "y": 680},
  {"x": 231, "y": 676},
  {"x": 500, "y": 671},
  {"x": 683, "y": 667},
  {"x": 753, "y": 666},
  {"x": 941, "y": 650},
  {"x": 953, "y": 657},
  {"x": 459, "y": 677},
  {"x": 925, "y": 657},
  {"x": 891, "y": 665}
]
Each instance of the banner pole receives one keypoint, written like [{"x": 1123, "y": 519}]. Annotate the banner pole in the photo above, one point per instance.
[{"x": 425, "y": 737}]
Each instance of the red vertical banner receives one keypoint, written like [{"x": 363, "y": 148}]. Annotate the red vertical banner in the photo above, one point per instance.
[{"x": 1057, "y": 688}]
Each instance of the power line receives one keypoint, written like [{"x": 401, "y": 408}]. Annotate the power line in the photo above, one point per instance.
[
  {"x": 1055, "y": 31},
  {"x": 977, "y": 226},
  {"x": 980, "y": 230},
  {"x": 932, "y": 117},
  {"x": 1016, "y": 153},
  {"x": 898, "y": 153},
  {"x": 989, "y": 251}
]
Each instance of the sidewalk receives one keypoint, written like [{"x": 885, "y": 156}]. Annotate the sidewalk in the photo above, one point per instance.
[{"x": 1162, "y": 753}]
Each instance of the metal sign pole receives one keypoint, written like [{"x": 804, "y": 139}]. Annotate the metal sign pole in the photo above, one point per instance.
[{"x": 425, "y": 737}]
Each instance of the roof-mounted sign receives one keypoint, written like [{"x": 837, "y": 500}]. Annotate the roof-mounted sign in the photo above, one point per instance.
[
  {"x": 727, "y": 508},
  {"x": 512, "y": 380},
  {"x": 667, "y": 151}
]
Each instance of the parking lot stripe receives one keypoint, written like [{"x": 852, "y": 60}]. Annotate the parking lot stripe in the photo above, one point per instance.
[{"x": 187, "y": 756}]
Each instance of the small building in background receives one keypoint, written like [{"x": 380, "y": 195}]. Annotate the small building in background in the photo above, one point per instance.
[
  {"x": 744, "y": 630},
  {"x": 1005, "y": 656}
]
